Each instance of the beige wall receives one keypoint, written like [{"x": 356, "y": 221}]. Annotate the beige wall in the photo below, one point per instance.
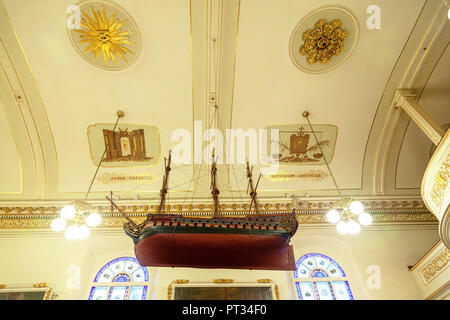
[{"x": 45, "y": 257}]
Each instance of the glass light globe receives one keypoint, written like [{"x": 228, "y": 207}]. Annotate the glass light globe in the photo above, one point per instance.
[
  {"x": 342, "y": 227},
  {"x": 58, "y": 224},
  {"x": 83, "y": 232},
  {"x": 68, "y": 212},
  {"x": 353, "y": 227},
  {"x": 356, "y": 207},
  {"x": 365, "y": 219},
  {"x": 72, "y": 232},
  {"x": 93, "y": 220},
  {"x": 333, "y": 216}
]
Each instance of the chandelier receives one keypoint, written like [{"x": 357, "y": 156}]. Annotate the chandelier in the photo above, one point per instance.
[
  {"x": 348, "y": 216},
  {"x": 346, "y": 213},
  {"x": 75, "y": 219}
]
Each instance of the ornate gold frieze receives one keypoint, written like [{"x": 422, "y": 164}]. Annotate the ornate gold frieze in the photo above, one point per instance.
[
  {"x": 436, "y": 265},
  {"x": 324, "y": 41},
  {"x": 139, "y": 209},
  {"x": 313, "y": 212}
]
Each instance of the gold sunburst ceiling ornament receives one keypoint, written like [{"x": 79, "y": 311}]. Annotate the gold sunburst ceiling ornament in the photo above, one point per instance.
[
  {"x": 105, "y": 35},
  {"x": 324, "y": 41}
]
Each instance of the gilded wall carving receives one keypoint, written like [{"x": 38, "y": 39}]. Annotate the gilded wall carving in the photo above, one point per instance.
[
  {"x": 436, "y": 265},
  {"x": 441, "y": 182}
]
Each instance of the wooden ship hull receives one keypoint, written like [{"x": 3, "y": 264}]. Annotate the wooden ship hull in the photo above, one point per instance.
[{"x": 232, "y": 243}]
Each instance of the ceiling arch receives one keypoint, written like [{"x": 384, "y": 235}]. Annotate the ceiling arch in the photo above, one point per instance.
[
  {"x": 426, "y": 44},
  {"x": 197, "y": 55},
  {"x": 26, "y": 116}
]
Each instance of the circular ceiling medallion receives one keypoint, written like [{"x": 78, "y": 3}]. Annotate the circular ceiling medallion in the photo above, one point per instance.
[
  {"x": 323, "y": 39},
  {"x": 103, "y": 34}
]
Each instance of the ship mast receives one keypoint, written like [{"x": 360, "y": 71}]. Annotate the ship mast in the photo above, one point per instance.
[
  {"x": 164, "y": 188},
  {"x": 252, "y": 189},
  {"x": 214, "y": 191}
]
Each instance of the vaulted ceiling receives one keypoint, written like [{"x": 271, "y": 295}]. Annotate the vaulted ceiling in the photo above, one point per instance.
[{"x": 199, "y": 59}]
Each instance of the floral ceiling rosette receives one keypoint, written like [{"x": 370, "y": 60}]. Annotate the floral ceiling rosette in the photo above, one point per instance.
[{"x": 323, "y": 40}]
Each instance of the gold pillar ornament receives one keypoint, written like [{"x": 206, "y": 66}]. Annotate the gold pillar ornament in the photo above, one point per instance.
[
  {"x": 264, "y": 281},
  {"x": 41, "y": 285},
  {"x": 180, "y": 281},
  {"x": 223, "y": 280}
]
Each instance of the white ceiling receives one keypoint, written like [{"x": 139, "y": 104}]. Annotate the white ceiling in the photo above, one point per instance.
[{"x": 65, "y": 94}]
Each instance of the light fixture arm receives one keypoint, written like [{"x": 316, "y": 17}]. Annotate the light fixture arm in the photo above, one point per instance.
[
  {"x": 305, "y": 114},
  {"x": 119, "y": 114}
]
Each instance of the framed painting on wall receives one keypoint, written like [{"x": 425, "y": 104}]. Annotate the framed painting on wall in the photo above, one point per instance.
[
  {"x": 223, "y": 289},
  {"x": 39, "y": 291}
]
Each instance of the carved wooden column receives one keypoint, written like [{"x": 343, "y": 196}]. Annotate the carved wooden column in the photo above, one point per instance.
[
  {"x": 406, "y": 99},
  {"x": 435, "y": 188}
]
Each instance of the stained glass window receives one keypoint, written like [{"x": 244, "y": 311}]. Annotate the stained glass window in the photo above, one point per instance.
[
  {"x": 318, "y": 277},
  {"x": 120, "y": 279}
]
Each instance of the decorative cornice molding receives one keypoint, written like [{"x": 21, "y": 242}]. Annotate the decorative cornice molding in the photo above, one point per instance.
[
  {"x": 39, "y": 216},
  {"x": 206, "y": 207}
]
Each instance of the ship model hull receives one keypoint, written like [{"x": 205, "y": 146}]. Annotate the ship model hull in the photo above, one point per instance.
[
  {"x": 257, "y": 241},
  {"x": 233, "y": 243}
]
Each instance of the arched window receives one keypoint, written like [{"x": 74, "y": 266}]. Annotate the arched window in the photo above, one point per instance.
[
  {"x": 318, "y": 277},
  {"x": 120, "y": 279}
]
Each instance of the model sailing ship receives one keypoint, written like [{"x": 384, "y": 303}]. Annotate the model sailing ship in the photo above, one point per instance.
[{"x": 257, "y": 241}]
